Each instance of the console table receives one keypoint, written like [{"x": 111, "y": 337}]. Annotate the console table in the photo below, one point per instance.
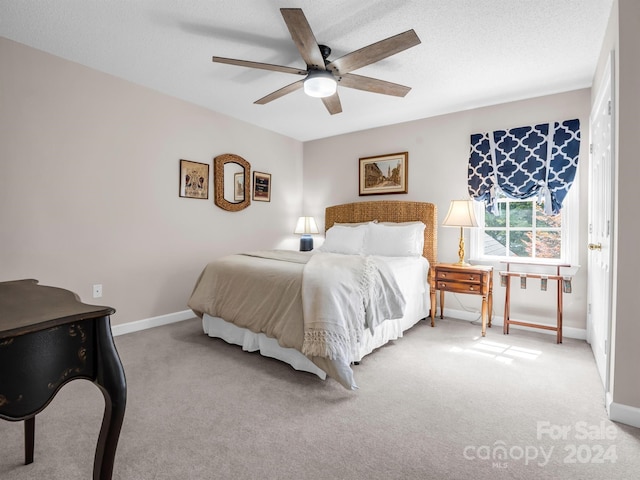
[{"x": 48, "y": 338}]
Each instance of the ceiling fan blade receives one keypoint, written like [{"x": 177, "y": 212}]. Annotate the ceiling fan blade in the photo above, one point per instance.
[
  {"x": 374, "y": 85},
  {"x": 303, "y": 37},
  {"x": 281, "y": 92},
  {"x": 332, "y": 103},
  {"x": 374, "y": 52},
  {"x": 263, "y": 66}
]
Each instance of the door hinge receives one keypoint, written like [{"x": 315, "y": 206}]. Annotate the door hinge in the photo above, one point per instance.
[
  {"x": 609, "y": 107},
  {"x": 591, "y": 148},
  {"x": 588, "y": 309}
]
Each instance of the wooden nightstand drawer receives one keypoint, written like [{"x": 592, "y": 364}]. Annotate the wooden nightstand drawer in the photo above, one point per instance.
[
  {"x": 461, "y": 276},
  {"x": 458, "y": 287}
]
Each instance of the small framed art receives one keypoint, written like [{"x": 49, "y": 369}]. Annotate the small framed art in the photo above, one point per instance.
[
  {"x": 261, "y": 187},
  {"x": 384, "y": 174},
  {"x": 194, "y": 179}
]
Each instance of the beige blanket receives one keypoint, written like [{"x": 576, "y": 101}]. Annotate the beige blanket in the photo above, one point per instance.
[{"x": 260, "y": 291}]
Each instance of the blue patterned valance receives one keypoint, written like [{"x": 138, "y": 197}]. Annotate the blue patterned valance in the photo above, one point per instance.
[{"x": 525, "y": 161}]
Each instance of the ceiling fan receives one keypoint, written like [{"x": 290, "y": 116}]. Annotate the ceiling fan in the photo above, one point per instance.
[{"x": 321, "y": 75}]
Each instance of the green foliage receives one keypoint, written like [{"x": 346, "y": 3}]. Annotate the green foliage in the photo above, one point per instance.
[{"x": 516, "y": 225}]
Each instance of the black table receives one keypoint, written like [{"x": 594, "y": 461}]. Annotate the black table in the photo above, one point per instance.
[{"x": 48, "y": 338}]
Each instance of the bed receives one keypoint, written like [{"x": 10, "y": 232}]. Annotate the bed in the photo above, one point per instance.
[{"x": 281, "y": 304}]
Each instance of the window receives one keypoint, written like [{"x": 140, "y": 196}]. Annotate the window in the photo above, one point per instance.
[
  {"x": 521, "y": 230},
  {"x": 508, "y": 171}
]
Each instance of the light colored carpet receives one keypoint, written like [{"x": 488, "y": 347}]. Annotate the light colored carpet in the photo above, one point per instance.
[{"x": 436, "y": 404}]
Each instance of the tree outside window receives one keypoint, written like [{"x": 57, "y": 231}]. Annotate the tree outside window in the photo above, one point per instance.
[{"x": 522, "y": 230}]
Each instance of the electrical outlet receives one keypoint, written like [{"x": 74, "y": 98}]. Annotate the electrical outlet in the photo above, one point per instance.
[{"x": 97, "y": 291}]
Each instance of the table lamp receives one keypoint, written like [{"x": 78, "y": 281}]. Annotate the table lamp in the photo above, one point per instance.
[
  {"x": 460, "y": 215},
  {"x": 305, "y": 227}
]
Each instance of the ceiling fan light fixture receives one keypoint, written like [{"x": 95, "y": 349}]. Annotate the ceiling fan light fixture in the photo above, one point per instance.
[{"x": 320, "y": 83}]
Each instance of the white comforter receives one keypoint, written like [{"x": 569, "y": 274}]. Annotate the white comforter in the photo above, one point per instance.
[{"x": 341, "y": 295}]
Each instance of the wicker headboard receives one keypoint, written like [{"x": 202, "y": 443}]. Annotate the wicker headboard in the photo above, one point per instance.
[{"x": 390, "y": 211}]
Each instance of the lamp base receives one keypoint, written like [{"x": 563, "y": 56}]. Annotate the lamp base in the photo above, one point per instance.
[
  {"x": 462, "y": 263},
  {"x": 306, "y": 243}
]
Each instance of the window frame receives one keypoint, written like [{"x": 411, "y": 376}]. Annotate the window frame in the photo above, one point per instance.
[{"x": 569, "y": 232}]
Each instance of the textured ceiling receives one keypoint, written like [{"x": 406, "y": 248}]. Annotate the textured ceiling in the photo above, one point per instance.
[{"x": 473, "y": 52}]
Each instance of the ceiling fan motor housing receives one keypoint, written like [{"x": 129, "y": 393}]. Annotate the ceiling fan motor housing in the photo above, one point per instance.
[{"x": 325, "y": 52}]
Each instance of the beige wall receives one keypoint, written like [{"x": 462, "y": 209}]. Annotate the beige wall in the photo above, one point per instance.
[
  {"x": 89, "y": 185},
  {"x": 623, "y": 37},
  {"x": 627, "y": 386},
  {"x": 438, "y": 156}
]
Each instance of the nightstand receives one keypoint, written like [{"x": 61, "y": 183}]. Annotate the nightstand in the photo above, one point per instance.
[{"x": 472, "y": 279}]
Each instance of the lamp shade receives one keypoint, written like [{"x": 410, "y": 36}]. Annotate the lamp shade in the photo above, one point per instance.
[
  {"x": 460, "y": 214},
  {"x": 306, "y": 226},
  {"x": 320, "y": 83}
]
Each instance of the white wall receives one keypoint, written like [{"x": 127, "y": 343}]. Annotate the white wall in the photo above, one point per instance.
[
  {"x": 438, "y": 155},
  {"x": 89, "y": 185}
]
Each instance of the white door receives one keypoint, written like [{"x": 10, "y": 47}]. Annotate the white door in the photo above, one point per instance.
[{"x": 600, "y": 225}]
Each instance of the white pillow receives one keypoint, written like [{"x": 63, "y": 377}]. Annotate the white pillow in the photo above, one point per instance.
[
  {"x": 402, "y": 240},
  {"x": 399, "y": 224},
  {"x": 346, "y": 240},
  {"x": 356, "y": 224}
]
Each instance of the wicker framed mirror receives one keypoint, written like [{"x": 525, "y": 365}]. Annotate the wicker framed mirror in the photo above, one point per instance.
[{"x": 232, "y": 184}]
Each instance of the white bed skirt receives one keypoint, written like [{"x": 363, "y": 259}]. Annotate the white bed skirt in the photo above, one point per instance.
[{"x": 388, "y": 330}]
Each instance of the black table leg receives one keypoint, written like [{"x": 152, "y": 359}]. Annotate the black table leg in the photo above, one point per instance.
[
  {"x": 29, "y": 438},
  {"x": 111, "y": 380}
]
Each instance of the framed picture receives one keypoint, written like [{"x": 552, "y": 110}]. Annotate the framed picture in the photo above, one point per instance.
[
  {"x": 261, "y": 187},
  {"x": 194, "y": 179},
  {"x": 384, "y": 174},
  {"x": 238, "y": 187}
]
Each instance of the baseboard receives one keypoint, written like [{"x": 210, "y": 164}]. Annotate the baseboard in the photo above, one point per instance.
[
  {"x": 151, "y": 322},
  {"x": 626, "y": 414},
  {"x": 608, "y": 400},
  {"x": 569, "y": 332}
]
